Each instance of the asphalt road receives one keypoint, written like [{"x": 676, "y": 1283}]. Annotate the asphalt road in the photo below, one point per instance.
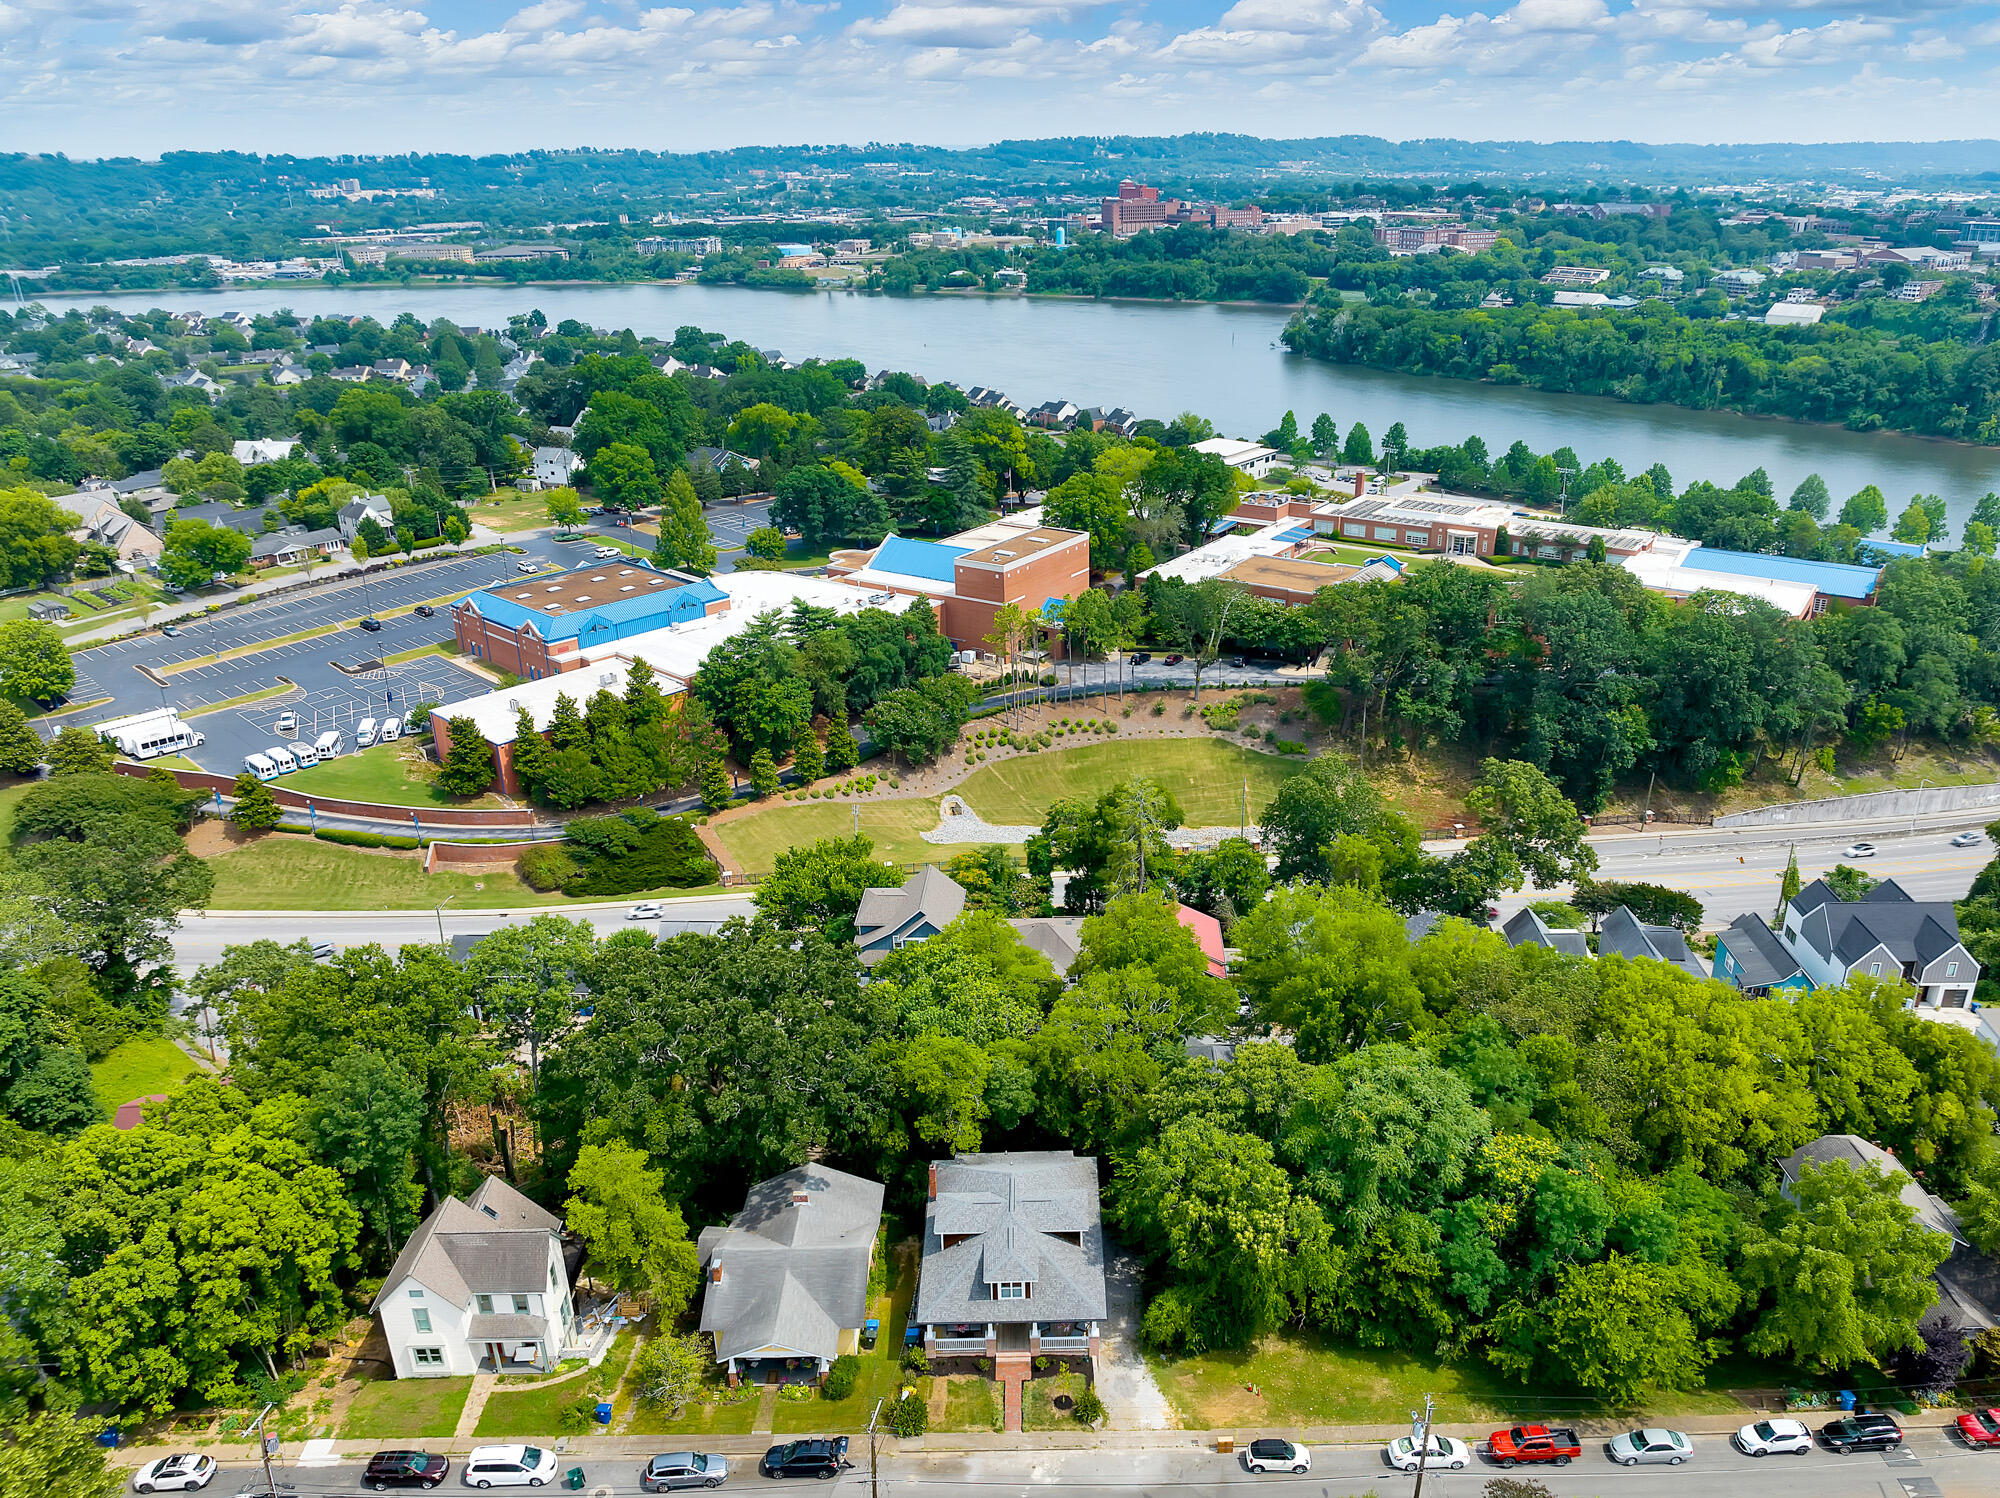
[{"x": 1931, "y": 1466}]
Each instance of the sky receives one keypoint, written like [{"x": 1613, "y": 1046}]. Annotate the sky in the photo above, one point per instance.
[{"x": 135, "y": 77}]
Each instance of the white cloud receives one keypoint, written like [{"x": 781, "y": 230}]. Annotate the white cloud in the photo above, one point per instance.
[
  {"x": 545, "y": 16},
  {"x": 1816, "y": 44}
]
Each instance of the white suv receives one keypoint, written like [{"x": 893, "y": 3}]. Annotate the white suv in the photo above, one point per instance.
[
  {"x": 509, "y": 1467},
  {"x": 186, "y": 1473},
  {"x": 1774, "y": 1438}
]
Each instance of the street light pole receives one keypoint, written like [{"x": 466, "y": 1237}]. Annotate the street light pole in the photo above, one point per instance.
[
  {"x": 439, "y": 913},
  {"x": 1423, "y": 1445},
  {"x": 264, "y": 1447}
]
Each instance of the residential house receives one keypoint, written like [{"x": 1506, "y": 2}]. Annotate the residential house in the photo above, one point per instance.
[
  {"x": 294, "y": 546},
  {"x": 1058, "y": 414},
  {"x": 351, "y": 374},
  {"x": 194, "y": 379},
  {"x": 916, "y": 911},
  {"x": 1059, "y": 938},
  {"x": 553, "y": 467},
  {"x": 1968, "y": 1281},
  {"x": 482, "y": 1286},
  {"x": 248, "y": 520},
  {"x": 785, "y": 1283},
  {"x": 944, "y": 421},
  {"x": 715, "y": 459},
  {"x": 400, "y": 370},
  {"x": 100, "y": 519},
  {"x": 1526, "y": 928},
  {"x": 291, "y": 374},
  {"x": 1252, "y": 458},
  {"x": 983, "y": 396},
  {"x": 1738, "y": 280},
  {"x": 1207, "y": 933},
  {"x": 1013, "y": 1265},
  {"x": 1118, "y": 420},
  {"x": 365, "y": 507},
  {"x": 1624, "y": 934},
  {"x": 1884, "y": 934},
  {"x": 263, "y": 449},
  {"x": 1749, "y": 956}
]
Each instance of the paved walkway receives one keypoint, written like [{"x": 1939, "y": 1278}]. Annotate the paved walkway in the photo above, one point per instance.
[{"x": 483, "y": 1384}]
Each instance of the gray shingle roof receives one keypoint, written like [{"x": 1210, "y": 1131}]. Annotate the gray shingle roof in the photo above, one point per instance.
[
  {"x": 504, "y": 1327},
  {"x": 1002, "y": 1214},
  {"x": 497, "y": 1241},
  {"x": 1761, "y": 958},
  {"x": 1919, "y": 931},
  {"x": 1854, "y": 1151},
  {"x": 1626, "y": 935},
  {"x": 930, "y": 895},
  {"x": 1058, "y": 938},
  {"x": 1525, "y": 927}
]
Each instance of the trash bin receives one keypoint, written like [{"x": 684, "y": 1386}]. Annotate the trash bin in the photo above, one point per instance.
[
  {"x": 107, "y": 1438},
  {"x": 573, "y": 1479},
  {"x": 870, "y": 1330},
  {"x": 604, "y": 1413},
  {"x": 1847, "y": 1399}
]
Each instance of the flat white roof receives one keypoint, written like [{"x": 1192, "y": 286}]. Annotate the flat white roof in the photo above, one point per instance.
[
  {"x": 1663, "y": 574},
  {"x": 1224, "y": 552}
]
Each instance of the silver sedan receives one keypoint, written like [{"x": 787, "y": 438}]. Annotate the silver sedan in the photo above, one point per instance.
[{"x": 1668, "y": 1447}]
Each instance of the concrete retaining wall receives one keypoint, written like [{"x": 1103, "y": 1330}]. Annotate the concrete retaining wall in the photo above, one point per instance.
[
  {"x": 1869, "y": 807},
  {"x": 437, "y": 855},
  {"x": 431, "y": 816}
]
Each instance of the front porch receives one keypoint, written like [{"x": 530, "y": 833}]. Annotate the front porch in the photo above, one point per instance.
[{"x": 780, "y": 1367}]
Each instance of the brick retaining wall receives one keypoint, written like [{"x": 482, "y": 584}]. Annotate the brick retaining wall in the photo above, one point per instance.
[{"x": 430, "y": 816}]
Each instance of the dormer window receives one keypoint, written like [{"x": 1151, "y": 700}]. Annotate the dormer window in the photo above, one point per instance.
[
  {"x": 484, "y": 1304},
  {"x": 1013, "y": 1291}
]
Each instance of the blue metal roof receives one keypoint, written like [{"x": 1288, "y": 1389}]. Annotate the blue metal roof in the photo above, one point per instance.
[
  {"x": 1835, "y": 579},
  {"x": 1052, "y": 609},
  {"x": 1886, "y": 550},
  {"x": 616, "y": 619},
  {"x": 1297, "y": 533},
  {"x": 926, "y": 559}
]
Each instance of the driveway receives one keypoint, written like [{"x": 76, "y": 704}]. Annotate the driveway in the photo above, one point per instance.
[{"x": 1132, "y": 1397}]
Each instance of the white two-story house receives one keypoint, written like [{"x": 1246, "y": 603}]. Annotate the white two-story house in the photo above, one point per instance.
[
  {"x": 481, "y": 1287},
  {"x": 1884, "y": 934}
]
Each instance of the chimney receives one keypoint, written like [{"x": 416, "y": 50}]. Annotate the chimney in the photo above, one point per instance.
[
  {"x": 1360, "y": 482},
  {"x": 932, "y": 1196},
  {"x": 715, "y": 1271}
]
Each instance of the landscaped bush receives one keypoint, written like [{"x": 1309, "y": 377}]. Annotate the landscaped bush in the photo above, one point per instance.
[
  {"x": 910, "y": 1416},
  {"x": 351, "y": 838},
  {"x": 842, "y": 1376},
  {"x": 638, "y": 849},
  {"x": 546, "y": 866},
  {"x": 1289, "y": 746},
  {"x": 916, "y": 1362},
  {"x": 1089, "y": 1409}
]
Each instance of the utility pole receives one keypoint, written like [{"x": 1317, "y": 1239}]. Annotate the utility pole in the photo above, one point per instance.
[
  {"x": 874, "y": 1475},
  {"x": 1422, "y": 1425},
  {"x": 264, "y": 1444}
]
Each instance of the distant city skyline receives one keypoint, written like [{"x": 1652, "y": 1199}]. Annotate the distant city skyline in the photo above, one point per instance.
[{"x": 138, "y": 77}]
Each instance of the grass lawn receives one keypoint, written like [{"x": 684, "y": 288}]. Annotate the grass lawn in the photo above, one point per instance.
[
  {"x": 260, "y": 695},
  {"x": 879, "y": 1368},
  {"x": 1304, "y": 1380},
  {"x": 395, "y": 773},
  {"x": 712, "y": 1418},
  {"x": 10, "y": 797},
  {"x": 1037, "y": 1411},
  {"x": 140, "y": 1067},
  {"x": 1205, "y": 775},
  {"x": 517, "y": 511},
  {"x": 756, "y": 840},
  {"x": 534, "y": 1411},
  {"x": 971, "y": 1402},
  {"x": 406, "y": 1408}
]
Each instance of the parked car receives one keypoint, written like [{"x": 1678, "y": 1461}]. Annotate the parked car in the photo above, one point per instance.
[
  {"x": 186, "y": 1473},
  {"x": 607, "y": 551},
  {"x": 171, "y": 631},
  {"x": 288, "y": 722},
  {"x": 1175, "y": 660},
  {"x": 1980, "y": 1428},
  {"x": 1140, "y": 657},
  {"x": 1237, "y": 661},
  {"x": 682, "y": 1469},
  {"x": 645, "y": 910},
  {"x": 1555, "y": 1445},
  {"x": 1443, "y": 1451},
  {"x": 423, "y": 611},
  {"x": 1965, "y": 839},
  {"x": 527, "y": 566},
  {"x": 1266, "y": 1452},
  {"x": 405, "y": 1469},
  {"x": 1861, "y": 1433},
  {"x": 372, "y": 625},
  {"x": 1649, "y": 1448},
  {"x": 819, "y": 1458},
  {"x": 1774, "y": 1438},
  {"x": 1858, "y": 850},
  {"x": 509, "y": 1467}
]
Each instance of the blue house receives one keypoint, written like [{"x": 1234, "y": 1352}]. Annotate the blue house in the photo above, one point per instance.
[
  {"x": 919, "y": 910},
  {"x": 1749, "y": 956}
]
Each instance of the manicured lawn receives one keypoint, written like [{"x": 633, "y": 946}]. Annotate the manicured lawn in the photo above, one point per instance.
[
  {"x": 1205, "y": 775},
  {"x": 1037, "y": 1410},
  {"x": 1305, "y": 1380},
  {"x": 880, "y": 1369},
  {"x": 406, "y": 1408},
  {"x": 722, "y": 1412},
  {"x": 756, "y": 840},
  {"x": 971, "y": 1402},
  {"x": 10, "y": 797},
  {"x": 143, "y": 1065},
  {"x": 394, "y": 773},
  {"x": 534, "y": 1411}
]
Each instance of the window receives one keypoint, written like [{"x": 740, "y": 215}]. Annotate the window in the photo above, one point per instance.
[
  {"x": 416, "y": 1295},
  {"x": 484, "y": 1303},
  {"x": 1951, "y": 970},
  {"x": 427, "y": 1357},
  {"x": 1874, "y": 969},
  {"x": 423, "y": 1320},
  {"x": 1010, "y": 1292},
  {"x": 520, "y": 1305}
]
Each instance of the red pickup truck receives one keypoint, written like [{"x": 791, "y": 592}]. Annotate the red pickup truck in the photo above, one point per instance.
[{"x": 1533, "y": 1443}]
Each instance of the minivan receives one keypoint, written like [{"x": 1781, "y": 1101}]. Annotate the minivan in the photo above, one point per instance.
[
  {"x": 288, "y": 722},
  {"x": 364, "y": 733},
  {"x": 392, "y": 728},
  {"x": 509, "y": 1467},
  {"x": 281, "y": 759},
  {"x": 260, "y": 765},
  {"x": 303, "y": 753},
  {"x": 328, "y": 744}
]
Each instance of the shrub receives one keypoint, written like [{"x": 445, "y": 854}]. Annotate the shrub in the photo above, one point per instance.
[
  {"x": 1159, "y": 709},
  {"x": 1043, "y": 1364},
  {"x": 910, "y": 1416},
  {"x": 351, "y": 838},
  {"x": 578, "y": 1416},
  {"x": 1089, "y": 1409},
  {"x": 665, "y": 854},
  {"x": 797, "y": 1393},
  {"x": 1289, "y": 746},
  {"x": 1111, "y": 728},
  {"x": 986, "y": 1365},
  {"x": 842, "y": 1376},
  {"x": 546, "y": 866},
  {"x": 916, "y": 1362}
]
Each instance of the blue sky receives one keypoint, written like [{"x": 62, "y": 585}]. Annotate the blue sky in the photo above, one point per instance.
[{"x": 96, "y": 77}]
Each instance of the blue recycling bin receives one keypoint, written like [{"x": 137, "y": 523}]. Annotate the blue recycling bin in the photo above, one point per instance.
[
  {"x": 107, "y": 1438},
  {"x": 1847, "y": 1399},
  {"x": 604, "y": 1413}
]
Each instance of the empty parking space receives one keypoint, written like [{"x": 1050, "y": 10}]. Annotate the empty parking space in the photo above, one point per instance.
[{"x": 730, "y": 524}]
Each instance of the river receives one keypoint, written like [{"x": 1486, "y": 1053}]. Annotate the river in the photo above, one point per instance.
[{"x": 1158, "y": 360}]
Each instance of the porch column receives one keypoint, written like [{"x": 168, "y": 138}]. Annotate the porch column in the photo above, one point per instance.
[
  {"x": 930, "y": 1339},
  {"x": 992, "y": 1340},
  {"x": 732, "y": 1373},
  {"x": 821, "y": 1364},
  {"x": 1034, "y": 1338},
  {"x": 1093, "y": 1344}
]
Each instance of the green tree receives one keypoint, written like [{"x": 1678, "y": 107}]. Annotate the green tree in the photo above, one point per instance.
[
  {"x": 1846, "y": 1269},
  {"x": 1531, "y": 829},
  {"x": 20, "y": 747},
  {"x": 564, "y": 507},
  {"x": 766, "y": 543},
  {"x": 1811, "y": 497},
  {"x": 637, "y": 1239},
  {"x": 1325, "y": 435},
  {"x": 808, "y": 759},
  {"x": 716, "y": 791},
  {"x": 1915, "y": 525},
  {"x": 1789, "y": 886},
  {"x": 1225, "y": 881},
  {"x": 622, "y": 473},
  {"x": 365, "y": 1120},
  {"x": 527, "y": 978},
  {"x": 1866, "y": 510},
  {"x": 669, "y": 1369},
  {"x": 764, "y": 773},
  {"x": 78, "y": 751},
  {"x": 468, "y": 765},
  {"x": 684, "y": 539},
  {"x": 34, "y": 662},
  {"x": 843, "y": 753},
  {"x": 1612, "y": 1328},
  {"x": 942, "y": 1081},
  {"x": 35, "y": 545},
  {"x": 256, "y": 808},
  {"x": 120, "y": 893},
  {"x": 1143, "y": 929},
  {"x": 1332, "y": 965},
  {"x": 1285, "y": 435},
  {"x": 1359, "y": 447},
  {"x": 1313, "y": 810},
  {"x": 819, "y": 886},
  {"x": 195, "y": 551},
  {"x": 53, "y": 1451}
]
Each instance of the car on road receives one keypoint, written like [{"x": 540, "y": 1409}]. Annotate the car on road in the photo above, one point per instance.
[
  {"x": 1266, "y": 1452},
  {"x": 187, "y": 1472},
  {"x": 372, "y": 625},
  {"x": 1443, "y": 1451},
  {"x": 1858, "y": 850},
  {"x": 1637, "y": 1448},
  {"x": 171, "y": 631},
  {"x": 645, "y": 910},
  {"x": 322, "y": 950},
  {"x": 1140, "y": 657},
  {"x": 1980, "y": 1428},
  {"x": 509, "y": 1467},
  {"x": 405, "y": 1469},
  {"x": 1237, "y": 661},
  {"x": 817, "y": 1458},
  {"x": 682, "y": 1469},
  {"x": 1861, "y": 1433},
  {"x": 1774, "y": 1438},
  {"x": 288, "y": 722},
  {"x": 423, "y": 611},
  {"x": 1965, "y": 840}
]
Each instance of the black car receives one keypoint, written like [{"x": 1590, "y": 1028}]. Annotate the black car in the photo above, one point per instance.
[
  {"x": 423, "y": 611},
  {"x": 1861, "y": 1433},
  {"x": 371, "y": 625},
  {"x": 1236, "y": 661},
  {"x": 1140, "y": 657},
  {"x": 405, "y": 1469},
  {"x": 821, "y": 1459}
]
